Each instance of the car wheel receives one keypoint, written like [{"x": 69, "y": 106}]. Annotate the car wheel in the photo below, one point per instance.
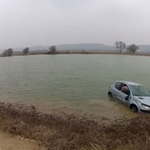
[
  {"x": 110, "y": 95},
  {"x": 134, "y": 108}
]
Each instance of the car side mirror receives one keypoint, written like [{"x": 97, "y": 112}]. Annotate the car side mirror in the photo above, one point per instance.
[{"x": 127, "y": 97}]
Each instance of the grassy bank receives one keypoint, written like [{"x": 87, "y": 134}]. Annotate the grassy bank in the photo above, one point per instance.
[{"x": 59, "y": 131}]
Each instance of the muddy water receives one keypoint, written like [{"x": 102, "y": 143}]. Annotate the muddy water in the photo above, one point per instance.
[{"x": 71, "y": 83}]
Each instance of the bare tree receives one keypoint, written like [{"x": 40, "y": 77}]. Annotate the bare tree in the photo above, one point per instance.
[
  {"x": 124, "y": 45},
  {"x": 120, "y": 45},
  {"x": 117, "y": 44}
]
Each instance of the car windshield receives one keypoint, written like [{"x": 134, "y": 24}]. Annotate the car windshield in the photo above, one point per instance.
[{"x": 139, "y": 90}]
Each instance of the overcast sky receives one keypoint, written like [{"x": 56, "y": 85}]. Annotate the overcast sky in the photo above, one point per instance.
[{"x": 46, "y": 22}]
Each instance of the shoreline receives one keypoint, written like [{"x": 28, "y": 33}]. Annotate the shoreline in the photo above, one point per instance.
[
  {"x": 59, "y": 131},
  {"x": 80, "y": 52}
]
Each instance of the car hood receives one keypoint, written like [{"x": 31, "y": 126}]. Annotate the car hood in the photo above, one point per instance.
[{"x": 144, "y": 100}]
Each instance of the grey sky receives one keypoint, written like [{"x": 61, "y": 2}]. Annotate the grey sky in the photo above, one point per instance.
[{"x": 46, "y": 22}]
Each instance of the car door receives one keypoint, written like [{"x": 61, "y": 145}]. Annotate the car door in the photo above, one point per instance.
[
  {"x": 123, "y": 95},
  {"x": 117, "y": 92}
]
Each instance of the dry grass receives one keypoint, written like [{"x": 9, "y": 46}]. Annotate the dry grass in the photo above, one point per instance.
[{"x": 59, "y": 131}]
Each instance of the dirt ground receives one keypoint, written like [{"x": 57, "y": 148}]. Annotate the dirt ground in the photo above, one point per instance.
[{"x": 9, "y": 142}]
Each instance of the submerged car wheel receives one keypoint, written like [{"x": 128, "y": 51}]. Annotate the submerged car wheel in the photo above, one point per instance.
[
  {"x": 110, "y": 94},
  {"x": 134, "y": 108}
]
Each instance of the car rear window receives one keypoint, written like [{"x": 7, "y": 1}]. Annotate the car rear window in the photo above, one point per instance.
[{"x": 118, "y": 85}]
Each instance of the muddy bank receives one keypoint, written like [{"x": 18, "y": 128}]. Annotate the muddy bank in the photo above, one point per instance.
[
  {"x": 60, "y": 131},
  {"x": 10, "y": 142}
]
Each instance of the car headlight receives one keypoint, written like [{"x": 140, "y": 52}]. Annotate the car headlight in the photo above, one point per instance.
[{"x": 143, "y": 106}]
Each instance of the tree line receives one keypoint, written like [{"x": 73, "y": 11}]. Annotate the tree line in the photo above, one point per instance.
[
  {"x": 130, "y": 49},
  {"x": 25, "y": 51},
  {"x": 9, "y": 52},
  {"x": 52, "y": 50}
]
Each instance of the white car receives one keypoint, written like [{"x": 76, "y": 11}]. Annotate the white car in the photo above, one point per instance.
[{"x": 136, "y": 96}]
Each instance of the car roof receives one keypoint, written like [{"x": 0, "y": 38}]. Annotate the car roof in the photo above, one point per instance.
[{"x": 128, "y": 82}]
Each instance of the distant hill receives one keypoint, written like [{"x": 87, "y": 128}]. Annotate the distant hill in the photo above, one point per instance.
[
  {"x": 144, "y": 48},
  {"x": 33, "y": 48},
  {"x": 83, "y": 47},
  {"x": 73, "y": 47},
  {"x": 86, "y": 47}
]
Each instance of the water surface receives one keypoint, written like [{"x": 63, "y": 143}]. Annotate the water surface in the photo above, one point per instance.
[{"x": 72, "y": 82}]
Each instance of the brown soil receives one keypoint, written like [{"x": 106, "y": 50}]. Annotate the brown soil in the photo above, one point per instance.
[
  {"x": 10, "y": 142},
  {"x": 60, "y": 131}
]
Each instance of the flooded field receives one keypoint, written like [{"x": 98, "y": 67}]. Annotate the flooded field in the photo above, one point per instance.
[{"x": 72, "y": 83}]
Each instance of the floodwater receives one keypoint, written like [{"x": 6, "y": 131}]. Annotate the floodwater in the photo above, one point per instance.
[{"x": 72, "y": 83}]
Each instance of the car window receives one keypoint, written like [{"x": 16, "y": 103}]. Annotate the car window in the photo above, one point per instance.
[
  {"x": 118, "y": 85},
  {"x": 125, "y": 90},
  {"x": 139, "y": 90}
]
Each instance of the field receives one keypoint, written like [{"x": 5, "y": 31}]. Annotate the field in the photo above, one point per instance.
[{"x": 66, "y": 82}]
